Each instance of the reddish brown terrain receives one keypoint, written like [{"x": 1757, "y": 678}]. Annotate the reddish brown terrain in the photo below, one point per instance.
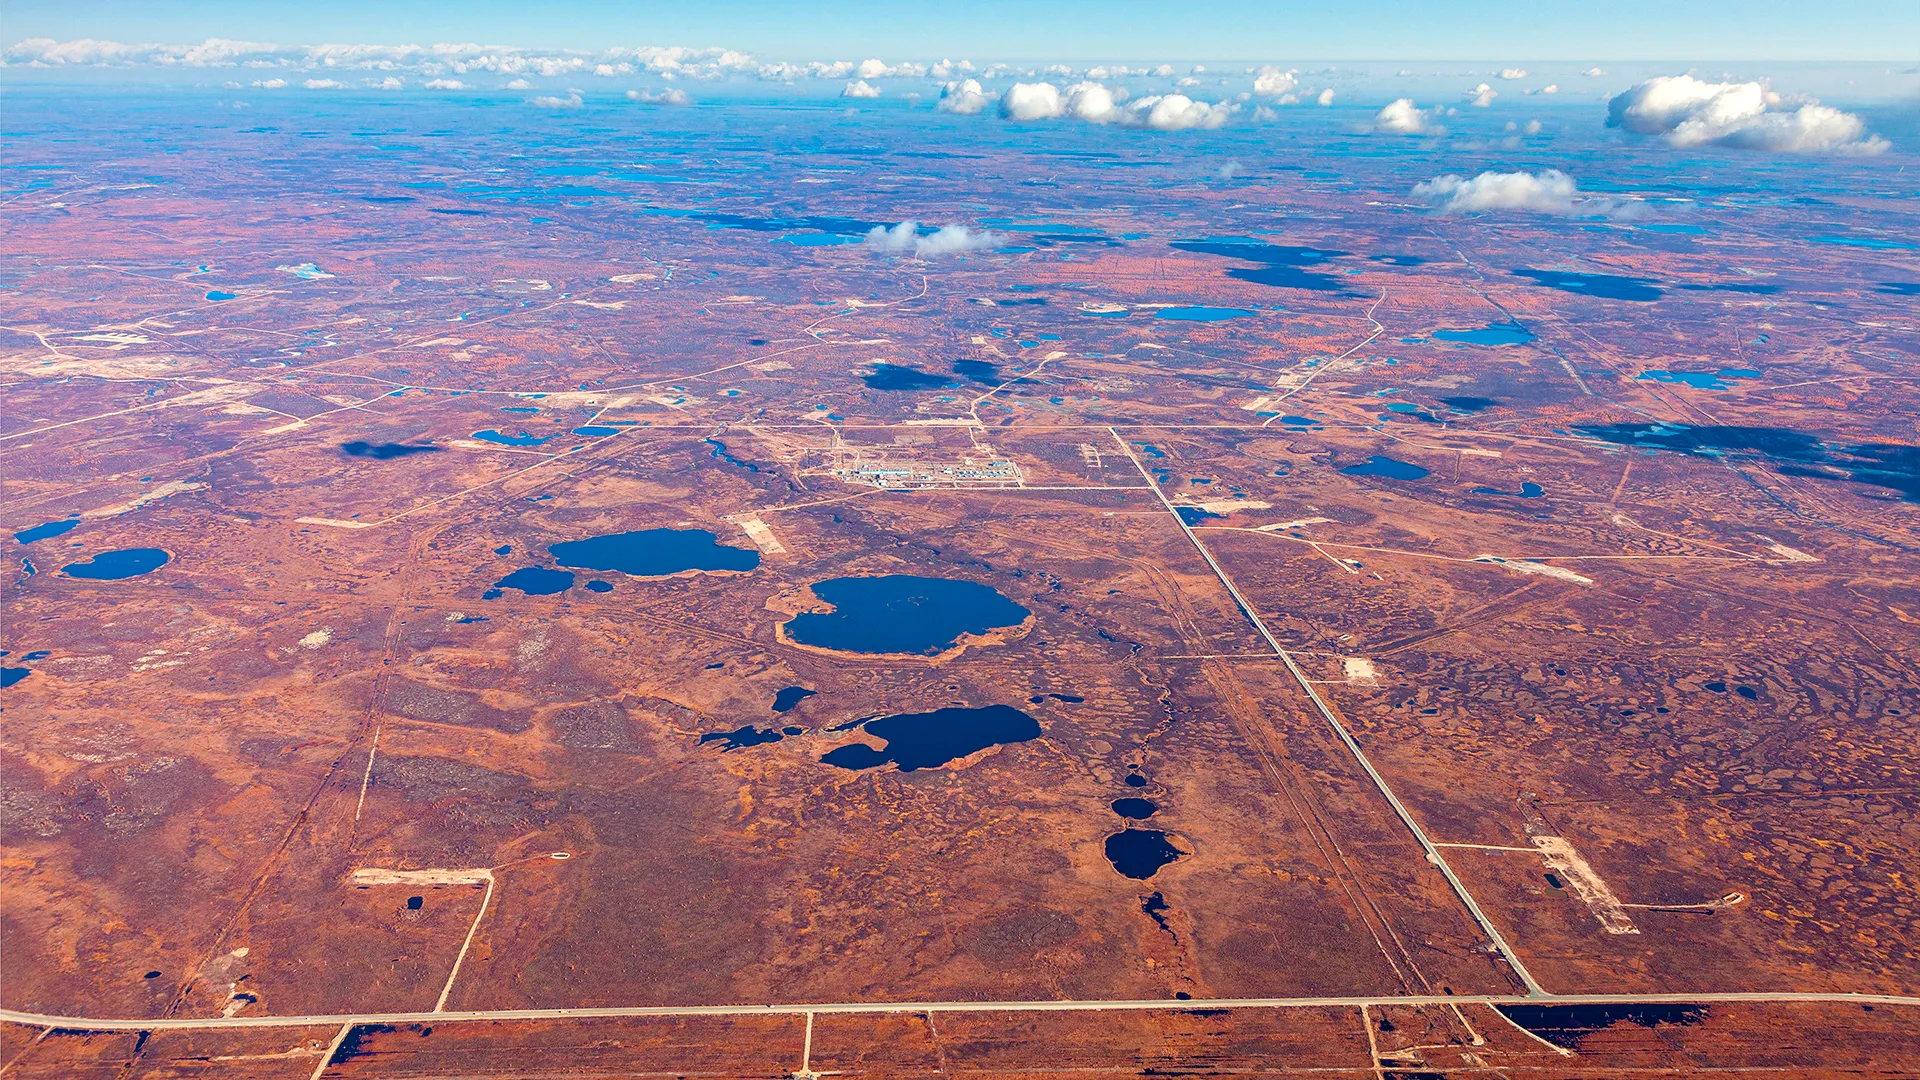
[{"x": 1485, "y": 667}]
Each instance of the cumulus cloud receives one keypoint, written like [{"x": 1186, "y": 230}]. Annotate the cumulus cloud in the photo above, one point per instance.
[
  {"x": 550, "y": 101},
  {"x": 1513, "y": 73},
  {"x": 391, "y": 82},
  {"x": 947, "y": 240},
  {"x": 671, "y": 95},
  {"x": 1325, "y": 100},
  {"x": 1031, "y": 101},
  {"x": 1482, "y": 96},
  {"x": 964, "y": 97},
  {"x": 1550, "y": 88},
  {"x": 1230, "y": 170},
  {"x": 270, "y": 84},
  {"x": 324, "y": 84},
  {"x": 860, "y": 88},
  {"x": 1401, "y": 117},
  {"x": 520, "y": 84},
  {"x": 1096, "y": 104},
  {"x": 1689, "y": 112},
  {"x": 445, "y": 84},
  {"x": 1548, "y": 192},
  {"x": 1594, "y": 72}
]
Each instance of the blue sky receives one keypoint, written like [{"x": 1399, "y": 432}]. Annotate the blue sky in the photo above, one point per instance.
[{"x": 1040, "y": 30}]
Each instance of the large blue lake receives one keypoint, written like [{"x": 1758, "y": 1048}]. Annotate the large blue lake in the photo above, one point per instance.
[
  {"x": 902, "y": 613},
  {"x": 654, "y": 553},
  {"x": 931, "y": 739},
  {"x": 114, "y": 565}
]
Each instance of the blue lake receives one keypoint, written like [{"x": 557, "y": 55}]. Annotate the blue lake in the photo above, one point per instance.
[
  {"x": 931, "y": 739},
  {"x": 1606, "y": 286},
  {"x": 219, "y": 295},
  {"x": 1140, "y": 853},
  {"x": 47, "y": 530},
  {"x": 532, "y": 580},
  {"x": 1492, "y": 334},
  {"x": 596, "y": 430},
  {"x": 654, "y": 553},
  {"x": 902, "y": 613},
  {"x": 1201, "y": 314},
  {"x": 114, "y": 565},
  {"x": 522, "y": 439},
  {"x": 1387, "y": 467},
  {"x": 1864, "y": 242},
  {"x": 791, "y": 696},
  {"x": 1700, "y": 380}
]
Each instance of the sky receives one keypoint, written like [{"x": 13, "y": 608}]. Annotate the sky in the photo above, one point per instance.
[{"x": 1037, "y": 30}]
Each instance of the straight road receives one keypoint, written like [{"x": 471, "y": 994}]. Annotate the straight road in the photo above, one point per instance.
[{"x": 87, "y": 1023}]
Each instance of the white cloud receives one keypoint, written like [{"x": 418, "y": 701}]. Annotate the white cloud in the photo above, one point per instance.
[
  {"x": 1164, "y": 71},
  {"x": 445, "y": 84},
  {"x": 948, "y": 240},
  {"x": 549, "y": 101},
  {"x": 519, "y": 84},
  {"x": 1325, "y": 100},
  {"x": 1548, "y": 192},
  {"x": 1513, "y": 73},
  {"x": 1550, "y": 88},
  {"x": 860, "y": 88},
  {"x": 1594, "y": 72},
  {"x": 1031, "y": 101},
  {"x": 1481, "y": 96},
  {"x": 1401, "y": 117},
  {"x": 671, "y": 95},
  {"x": 964, "y": 97},
  {"x": 1689, "y": 112},
  {"x": 1228, "y": 171},
  {"x": 1096, "y": 104},
  {"x": 324, "y": 84},
  {"x": 389, "y": 83},
  {"x": 270, "y": 84}
]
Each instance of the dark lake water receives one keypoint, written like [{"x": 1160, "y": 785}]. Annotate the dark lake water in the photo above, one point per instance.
[
  {"x": 931, "y": 739},
  {"x": 1140, "y": 853},
  {"x": 47, "y": 530},
  {"x": 980, "y": 371},
  {"x": 1135, "y": 809},
  {"x": 532, "y": 580},
  {"x": 742, "y": 737},
  {"x": 219, "y": 295},
  {"x": 596, "y": 430},
  {"x": 384, "y": 451},
  {"x": 599, "y": 586},
  {"x": 1605, "y": 286},
  {"x": 1888, "y": 465},
  {"x": 11, "y": 675},
  {"x": 522, "y": 439},
  {"x": 1387, "y": 467},
  {"x": 902, "y": 613},
  {"x": 654, "y": 553},
  {"x": 1491, "y": 334},
  {"x": 1570, "y": 1025},
  {"x": 1468, "y": 404},
  {"x": 1280, "y": 267},
  {"x": 791, "y": 696},
  {"x": 900, "y": 377},
  {"x": 1528, "y": 490},
  {"x": 114, "y": 565}
]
